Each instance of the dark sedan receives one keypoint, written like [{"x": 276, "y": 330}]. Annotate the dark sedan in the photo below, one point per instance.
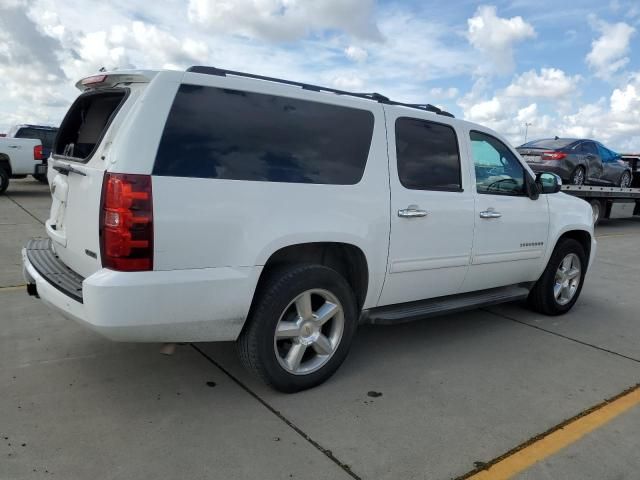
[{"x": 577, "y": 161}]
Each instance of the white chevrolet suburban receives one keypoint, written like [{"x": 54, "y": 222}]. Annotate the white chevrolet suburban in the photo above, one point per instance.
[{"x": 211, "y": 205}]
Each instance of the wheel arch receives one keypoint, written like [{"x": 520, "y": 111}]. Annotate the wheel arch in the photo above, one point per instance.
[
  {"x": 346, "y": 258},
  {"x": 5, "y": 163},
  {"x": 583, "y": 237}
]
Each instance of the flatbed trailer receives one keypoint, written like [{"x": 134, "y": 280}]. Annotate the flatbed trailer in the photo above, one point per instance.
[{"x": 607, "y": 202}]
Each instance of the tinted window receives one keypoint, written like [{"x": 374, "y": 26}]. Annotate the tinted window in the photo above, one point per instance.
[
  {"x": 589, "y": 148},
  {"x": 46, "y": 137},
  {"x": 498, "y": 171},
  {"x": 229, "y": 134},
  {"x": 427, "y": 153},
  {"x": 549, "y": 143}
]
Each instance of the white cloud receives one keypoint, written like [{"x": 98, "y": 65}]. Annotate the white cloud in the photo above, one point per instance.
[
  {"x": 355, "y": 53},
  {"x": 496, "y": 37},
  {"x": 348, "y": 82},
  {"x": 550, "y": 83},
  {"x": 609, "y": 52},
  {"x": 444, "y": 93},
  {"x": 285, "y": 20}
]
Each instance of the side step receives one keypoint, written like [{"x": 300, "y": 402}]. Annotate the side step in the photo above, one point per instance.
[{"x": 407, "y": 312}]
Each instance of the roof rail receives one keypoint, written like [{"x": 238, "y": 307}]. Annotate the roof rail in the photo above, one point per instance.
[{"x": 316, "y": 88}]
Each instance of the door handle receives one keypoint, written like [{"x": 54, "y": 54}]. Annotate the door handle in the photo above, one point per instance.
[
  {"x": 490, "y": 213},
  {"x": 14, "y": 146},
  {"x": 412, "y": 211}
]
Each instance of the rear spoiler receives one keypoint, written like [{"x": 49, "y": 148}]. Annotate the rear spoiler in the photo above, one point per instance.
[{"x": 111, "y": 79}]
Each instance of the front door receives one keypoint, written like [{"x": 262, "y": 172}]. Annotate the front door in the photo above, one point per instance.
[
  {"x": 510, "y": 228},
  {"x": 431, "y": 211}
]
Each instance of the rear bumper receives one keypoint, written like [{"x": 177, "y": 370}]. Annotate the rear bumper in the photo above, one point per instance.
[{"x": 208, "y": 304}]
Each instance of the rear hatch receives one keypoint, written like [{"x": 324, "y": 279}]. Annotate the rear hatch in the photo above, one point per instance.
[{"x": 79, "y": 160}]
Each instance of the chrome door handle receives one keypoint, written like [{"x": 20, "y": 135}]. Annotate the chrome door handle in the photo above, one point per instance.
[
  {"x": 490, "y": 213},
  {"x": 412, "y": 212}
]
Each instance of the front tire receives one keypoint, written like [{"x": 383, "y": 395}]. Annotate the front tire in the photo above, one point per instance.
[
  {"x": 300, "y": 327},
  {"x": 4, "y": 180},
  {"x": 625, "y": 180},
  {"x": 597, "y": 209},
  {"x": 560, "y": 285}
]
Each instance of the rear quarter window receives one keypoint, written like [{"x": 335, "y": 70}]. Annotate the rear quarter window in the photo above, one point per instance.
[{"x": 229, "y": 134}]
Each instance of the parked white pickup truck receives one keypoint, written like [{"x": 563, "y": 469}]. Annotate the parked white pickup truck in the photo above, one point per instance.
[{"x": 20, "y": 157}]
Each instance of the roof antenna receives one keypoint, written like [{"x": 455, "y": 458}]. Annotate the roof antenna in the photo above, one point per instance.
[
  {"x": 102, "y": 69},
  {"x": 556, "y": 137}
]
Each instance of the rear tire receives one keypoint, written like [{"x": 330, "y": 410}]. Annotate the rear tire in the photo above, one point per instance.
[
  {"x": 578, "y": 176},
  {"x": 313, "y": 334},
  {"x": 41, "y": 177},
  {"x": 560, "y": 285},
  {"x": 597, "y": 209},
  {"x": 4, "y": 180}
]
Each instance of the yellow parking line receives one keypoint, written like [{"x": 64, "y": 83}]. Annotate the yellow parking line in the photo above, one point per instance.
[
  {"x": 604, "y": 235},
  {"x": 547, "y": 445},
  {"x": 12, "y": 288}
]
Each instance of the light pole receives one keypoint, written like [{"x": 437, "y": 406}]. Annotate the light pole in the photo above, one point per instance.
[{"x": 526, "y": 130}]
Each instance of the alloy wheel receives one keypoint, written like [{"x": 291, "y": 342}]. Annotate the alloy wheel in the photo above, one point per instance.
[
  {"x": 567, "y": 279},
  {"x": 309, "y": 331},
  {"x": 625, "y": 180}
]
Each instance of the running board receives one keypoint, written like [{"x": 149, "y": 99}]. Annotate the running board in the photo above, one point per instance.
[{"x": 407, "y": 312}]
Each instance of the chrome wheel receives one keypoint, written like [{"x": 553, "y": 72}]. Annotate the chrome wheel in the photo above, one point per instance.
[
  {"x": 567, "y": 279},
  {"x": 625, "y": 181},
  {"x": 309, "y": 331},
  {"x": 578, "y": 176}
]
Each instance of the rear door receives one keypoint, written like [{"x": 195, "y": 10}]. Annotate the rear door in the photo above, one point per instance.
[
  {"x": 76, "y": 174},
  {"x": 431, "y": 210},
  {"x": 612, "y": 167}
]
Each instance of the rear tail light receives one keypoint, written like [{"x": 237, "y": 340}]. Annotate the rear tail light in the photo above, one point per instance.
[
  {"x": 553, "y": 155},
  {"x": 37, "y": 152},
  {"x": 126, "y": 222}
]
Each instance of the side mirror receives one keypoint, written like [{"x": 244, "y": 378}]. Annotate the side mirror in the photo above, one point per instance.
[{"x": 548, "y": 182}]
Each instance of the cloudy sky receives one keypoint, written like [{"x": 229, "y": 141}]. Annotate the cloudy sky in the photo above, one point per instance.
[{"x": 566, "y": 68}]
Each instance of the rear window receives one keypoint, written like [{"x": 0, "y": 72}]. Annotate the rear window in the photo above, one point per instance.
[
  {"x": 86, "y": 123},
  {"x": 549, "y": 143},
  {"x": 427, "y": 155},
  {"x": 46, "y": 137},
  {"x": 235, "y": 135}
]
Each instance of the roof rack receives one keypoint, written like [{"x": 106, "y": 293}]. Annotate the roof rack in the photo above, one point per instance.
[{"x": 316, "y": 88}]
